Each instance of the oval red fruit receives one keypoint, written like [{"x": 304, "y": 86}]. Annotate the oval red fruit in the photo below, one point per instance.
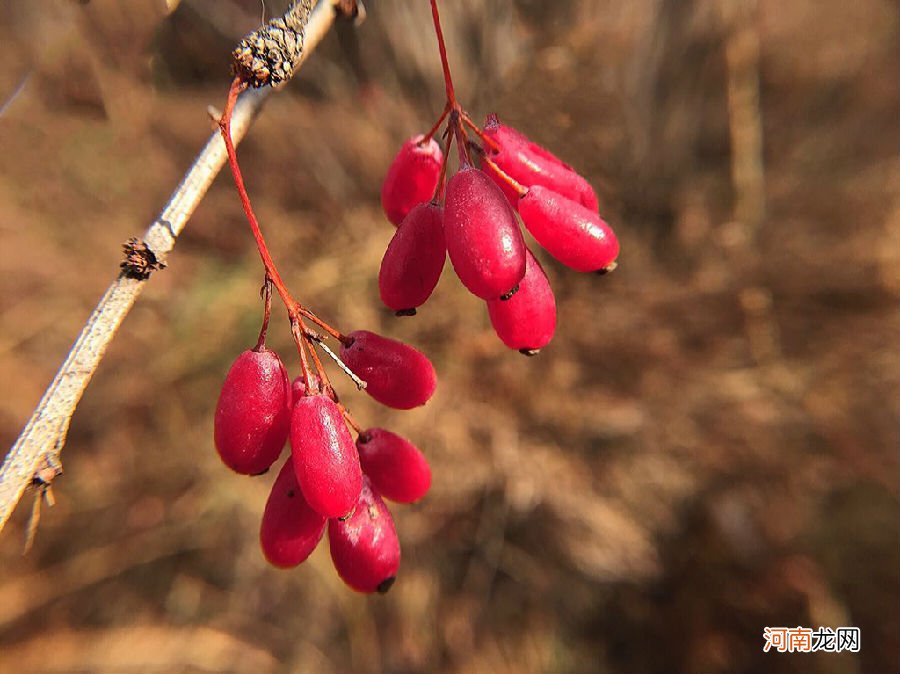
[
  {"x": 573, "y": 234},
  {"x": 253, "y": 412},
  {"x": 364, "y": 547},
  {"x": 290, "y": 529},
  {"x": 414, "y": 260},
  {"x": 483, "y": 238},
  {"x": 396, "y": 374},
  {"x": 527, "y": 320},
  {"x": 324, "y": 457},
  {"x": 530, "y": 164},
  {"x": 395, "y": 466},
  {"x": 411, "y": 178}
]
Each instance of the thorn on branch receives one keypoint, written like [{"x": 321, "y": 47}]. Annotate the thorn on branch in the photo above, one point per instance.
[
  {"x": 48, "y": 470},
  {"x": 139, "y": 260}
]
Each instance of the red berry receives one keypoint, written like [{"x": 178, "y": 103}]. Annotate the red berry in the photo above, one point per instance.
[
  {"x": 527, "y": 320},
  {"x": 364, "y": 547},
  {"x": 298, "y": 387},
  {"x": 484, "y": 241},
  {"x": 395, "y": 466},
  {"x": 411, "y": 178},
  {"x": 414, "y": 260},
  {"x": 512, "y": 196},
  {"x": 253, "y": 412},
  {"x": 290, "y": 529},
  {"x": 396, "y": 374},
  {"x": 325, "y": 459},
  {"x": 573, "y": 234},
  {"x": 530, "y": 164}
]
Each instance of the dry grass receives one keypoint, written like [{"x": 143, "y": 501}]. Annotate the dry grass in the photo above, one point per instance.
[{"x": 709, "y": 446}]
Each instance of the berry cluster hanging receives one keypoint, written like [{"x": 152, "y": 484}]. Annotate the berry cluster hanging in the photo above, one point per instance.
[
  {"x": 329, "y": 480},
  {"x": 471, "y": 217}
]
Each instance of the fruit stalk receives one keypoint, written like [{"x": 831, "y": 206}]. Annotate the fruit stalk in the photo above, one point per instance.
[{"x": 442, "y": 47}]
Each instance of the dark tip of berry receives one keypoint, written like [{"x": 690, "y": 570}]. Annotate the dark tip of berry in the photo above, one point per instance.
[
  {"x": 529, "y": 352},
  {"x": 406, "y": 312},
  {"x": 364, "y": 437},
  {"x": 262, "y": 472},
  {"x": 510, "y": 293},
  {"x": 290, "y": 493},
  {"x": 386, "y": 584},
  {"x": 608, "y": 268}
]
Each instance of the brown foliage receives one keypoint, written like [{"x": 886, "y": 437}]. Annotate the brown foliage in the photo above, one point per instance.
[{"x": 709, "y": 445}]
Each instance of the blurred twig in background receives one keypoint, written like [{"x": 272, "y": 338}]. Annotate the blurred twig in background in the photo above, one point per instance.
[
  {"x": 740, "y": 19},
  {"x": 35, "y": 456}
]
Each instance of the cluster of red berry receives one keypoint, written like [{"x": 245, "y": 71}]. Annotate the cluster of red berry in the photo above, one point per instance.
[
  {"x": 477, "y": 226},
  {"x": 327, "y": 479}
]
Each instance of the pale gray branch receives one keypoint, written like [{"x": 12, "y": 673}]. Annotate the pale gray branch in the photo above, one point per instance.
[{"x": 35, "y": 455}]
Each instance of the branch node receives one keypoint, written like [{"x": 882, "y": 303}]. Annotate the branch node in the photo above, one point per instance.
[
  {"x": 270, "y": 54},
  {"x": 354, "y": 10},
  {"x": 140, "y": 260}
]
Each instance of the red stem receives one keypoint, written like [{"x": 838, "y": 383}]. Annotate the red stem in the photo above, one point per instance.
[
  {"x": 326, "y": 387},
  {"x": 448, "y": 81},
  {"x": 349, "y": 419},
  {"x": 237, "y": 86},
  {"x": 508, "y": 179},
  {"x": 487, "y": 140},
  {"x": 295, "y": 310},
  {"x": 462, "y": 140},
  {"x": 300, "y": 341},
  {"x": 267, "y": 312},
  {"x": 437, "y": 125},
  {"x": 442, "y": 178},
  {"x": 306, "y": 313}
]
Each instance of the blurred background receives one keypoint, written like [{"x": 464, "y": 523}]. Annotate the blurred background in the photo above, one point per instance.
[{"x": 708, "y": 447}]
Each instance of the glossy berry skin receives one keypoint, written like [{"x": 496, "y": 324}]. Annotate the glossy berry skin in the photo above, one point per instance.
[
  {"x": 290, "y": 529},
  {"x": 396, "y": 374},
  {"x": 527, "y": 320},
  {"x": 483, "y": 238},
  {"x": 573, "y": 234},
  {"x": 364, "y": 547},
  {"x": 530, "y": 164},
  {"x": 411, "y": 178},
  {"x": 253, "y": 412},
  {"x": 325, "y": 460},
  {"x": 394, "y": 465},
  {"x": 414, "y": 259}
]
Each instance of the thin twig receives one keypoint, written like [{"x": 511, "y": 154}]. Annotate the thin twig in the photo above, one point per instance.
[
  {"x": 742, "y": 56},
  {"x": 35, "y": 457}
]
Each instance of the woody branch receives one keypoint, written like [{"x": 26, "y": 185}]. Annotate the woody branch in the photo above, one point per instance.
[{"x": 34, "y": 459}]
